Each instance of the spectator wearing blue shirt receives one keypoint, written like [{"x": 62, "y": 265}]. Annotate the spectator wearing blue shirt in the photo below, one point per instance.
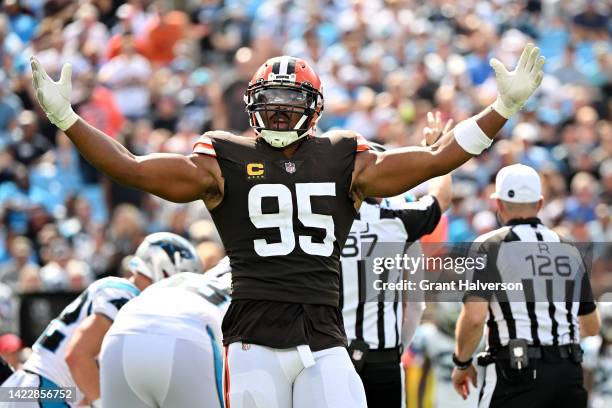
[
  {"x": 581, "y": 205},
  {"x": 478, "y": 60},
  {"x": 532, "y": 155},
  {"x": 10, "y": 106},
  {"x": 591, "y": 23},
  {"x": 21, "y": 256},
  {"x": 22, "y": 21}
]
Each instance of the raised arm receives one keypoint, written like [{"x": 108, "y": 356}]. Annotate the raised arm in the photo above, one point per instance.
[
  {"x": 173, "y": 177},
  {"x": 394, "y": 171},
  {"x": 170, "y": 176}
]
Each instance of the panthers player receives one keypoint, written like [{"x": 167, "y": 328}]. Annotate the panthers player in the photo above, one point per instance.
[
  {"x": 435, "y": 342},
  {"x": 66, "y": 353},
  {"x": 598, "y": 357},
  {"x": 283, "y": 204},
  {"x": 164, "y": 349}
]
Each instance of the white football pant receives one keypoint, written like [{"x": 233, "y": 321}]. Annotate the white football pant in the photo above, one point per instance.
[
  {"x": 156, "y": 371},
  {"x": 263, "y": 377}
]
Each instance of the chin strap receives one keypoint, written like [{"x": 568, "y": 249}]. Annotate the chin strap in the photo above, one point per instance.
[{"x": 280, "y": 139}]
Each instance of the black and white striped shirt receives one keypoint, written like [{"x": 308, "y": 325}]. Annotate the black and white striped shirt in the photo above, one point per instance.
[
  {"x": 528, "y": 252},
  {"x": 368, "y": 315}
]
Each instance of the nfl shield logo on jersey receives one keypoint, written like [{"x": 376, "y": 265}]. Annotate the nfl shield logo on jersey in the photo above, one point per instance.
[{"x": 290, "y": 167}]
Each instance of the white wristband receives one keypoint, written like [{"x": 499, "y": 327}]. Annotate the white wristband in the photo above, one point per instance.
[
  {"x": 470, "y": 137},
  {"x": 96, "y": 404}
]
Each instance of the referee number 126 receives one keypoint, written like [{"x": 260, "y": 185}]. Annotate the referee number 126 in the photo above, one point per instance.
[{"x": 543, "y": 265}]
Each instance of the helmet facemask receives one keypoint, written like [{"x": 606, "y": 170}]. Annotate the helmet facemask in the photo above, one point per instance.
[{"x": 283, "y": 112}]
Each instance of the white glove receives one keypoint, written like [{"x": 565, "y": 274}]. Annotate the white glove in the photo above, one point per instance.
[
  {"x": 54, "y": 97},
  {"x": 517, "y": 86}
]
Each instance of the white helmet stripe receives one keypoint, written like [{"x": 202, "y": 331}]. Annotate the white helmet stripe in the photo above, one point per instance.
[{"x": 284, "y": 63}]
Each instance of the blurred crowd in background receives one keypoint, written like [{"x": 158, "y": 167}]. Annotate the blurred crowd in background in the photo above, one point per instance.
[{"x": 156, "y": 74}]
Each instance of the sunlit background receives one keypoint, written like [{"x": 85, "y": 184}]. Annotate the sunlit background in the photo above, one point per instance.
[{"x": 155, "y": 75}]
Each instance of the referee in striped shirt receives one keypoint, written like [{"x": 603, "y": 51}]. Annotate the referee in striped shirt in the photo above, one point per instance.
[
  {"x": 378, "y": 329},
  {"x": 533, "y": 357}
]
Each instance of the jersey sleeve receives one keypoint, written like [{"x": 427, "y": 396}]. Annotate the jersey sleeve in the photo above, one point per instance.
[
  {"x": 109, "y": 299},
  {"x": 486, "y": 271},
  {"x": 222, "y": 267},
  {"x": 419, "y": 218},
  {"x": 587, "y": 303},
  {"x": 347, "y": 138},
  {"x": 587, "y": 300},
  {"x": 204, "y": 145},
  {"x": 362, "y": 143}
]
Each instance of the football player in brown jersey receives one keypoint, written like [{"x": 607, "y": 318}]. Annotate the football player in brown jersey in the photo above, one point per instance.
[{"x": 283, "y": 204}]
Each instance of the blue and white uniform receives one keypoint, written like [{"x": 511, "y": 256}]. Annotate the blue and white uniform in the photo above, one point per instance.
[
  {"x": 598, "y": 360},
  {"x": 46, "y": 368},
  {"x": 164, "y": 349},
  {"x": 438, "y": 345}
]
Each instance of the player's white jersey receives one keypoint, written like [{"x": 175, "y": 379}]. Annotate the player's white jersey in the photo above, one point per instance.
[
  {"x": 105, "y": 296},
  {"x": 184, "y": 306},
  {"x": 431, "y": 342}
]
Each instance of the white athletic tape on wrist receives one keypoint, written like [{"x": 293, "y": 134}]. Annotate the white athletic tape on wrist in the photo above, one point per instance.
[
  {"x": 470, "y": 137},
  {"x": 96, "y": 404}
]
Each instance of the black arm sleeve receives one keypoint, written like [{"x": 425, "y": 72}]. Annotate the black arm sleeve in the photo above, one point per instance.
[
  {"x": 419, "y": 218},
  {"x": 587, "y": 303}
]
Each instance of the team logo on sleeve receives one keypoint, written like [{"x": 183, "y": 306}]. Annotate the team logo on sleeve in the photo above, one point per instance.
[{"x": 255, "y": 171}]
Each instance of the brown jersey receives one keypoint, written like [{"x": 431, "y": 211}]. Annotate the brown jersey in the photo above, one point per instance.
[{"x": 283, "y": 222}]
